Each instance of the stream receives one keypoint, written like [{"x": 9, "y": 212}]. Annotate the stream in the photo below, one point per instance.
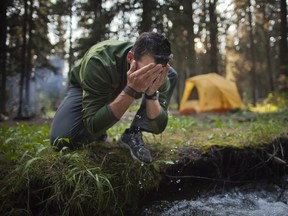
[
  {"x": 261, "y": 198},
  {"x": 224, "y": 182}
]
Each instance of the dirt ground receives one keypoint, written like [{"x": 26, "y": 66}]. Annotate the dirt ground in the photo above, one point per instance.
[{"x": 34, "y": 120}]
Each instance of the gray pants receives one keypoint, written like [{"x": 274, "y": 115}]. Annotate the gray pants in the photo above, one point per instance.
[{"x": 67, "y": 122}]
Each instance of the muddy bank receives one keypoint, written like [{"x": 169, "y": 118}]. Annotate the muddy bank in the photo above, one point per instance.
[
  {"x": 232, "y": 164},
  {"x": 222, "y": 167},
  {"x": 224, "y": 181}
]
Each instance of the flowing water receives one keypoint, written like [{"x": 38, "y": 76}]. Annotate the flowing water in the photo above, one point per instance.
[{"x": 254, "y": 199}]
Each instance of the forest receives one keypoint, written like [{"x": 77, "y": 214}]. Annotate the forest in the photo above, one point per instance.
[
  {"x": 244, "y": 41},
  {"x": 231, "y": 163}
]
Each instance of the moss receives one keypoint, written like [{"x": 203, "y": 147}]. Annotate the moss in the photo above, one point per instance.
[{"x": 232, "y": 130}]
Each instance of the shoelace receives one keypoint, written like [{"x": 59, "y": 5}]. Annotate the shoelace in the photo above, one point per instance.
[{"x": 138, "y": 139}]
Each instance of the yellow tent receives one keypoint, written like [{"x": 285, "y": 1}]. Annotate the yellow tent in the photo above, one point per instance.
[{"x": 209, "y": 93}]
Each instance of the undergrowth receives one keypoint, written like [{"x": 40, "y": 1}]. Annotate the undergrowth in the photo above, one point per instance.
[{"x": 96, "y": 180}]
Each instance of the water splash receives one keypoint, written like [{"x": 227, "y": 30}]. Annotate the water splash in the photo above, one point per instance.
[{"x": 250, "y": 200}]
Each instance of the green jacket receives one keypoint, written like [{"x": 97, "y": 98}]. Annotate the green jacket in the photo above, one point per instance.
[{"x": 102, "y": 75}]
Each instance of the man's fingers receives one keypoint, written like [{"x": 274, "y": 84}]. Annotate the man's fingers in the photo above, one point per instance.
[
  {"x": 133, "y": 67},
  {"x": 153, "y": 72},
  {"x": 148, "y": 76},
  {"x": 144, "y": 69}
]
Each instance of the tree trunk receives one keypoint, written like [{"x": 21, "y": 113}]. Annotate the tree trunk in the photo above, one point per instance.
[
  {"x": 268, "y": 49},
  {"x": 283, "y": 46},
  {"x": 191, "y": 56},
  {"x": 213, "y": 36},
  {"x": 29, "y": 59},
  {"x": 3, "y": 56},
  {"x": 98, "y": 25},
  {"x": 24, "y": 62},
  {"x": 146, "y": 22},
  {"x": 253, "y": 70},
  {"x": 70, "y": 63}
]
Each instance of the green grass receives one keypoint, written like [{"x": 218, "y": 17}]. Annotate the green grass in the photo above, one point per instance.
[
  {"x": 98, "y": 179},
  {"x": 102, "y": 178}
]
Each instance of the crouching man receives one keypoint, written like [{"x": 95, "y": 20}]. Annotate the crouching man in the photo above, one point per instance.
[{"x": 105, "y": 83}]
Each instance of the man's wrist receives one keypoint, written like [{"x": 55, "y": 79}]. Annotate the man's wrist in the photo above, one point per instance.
[
  {"x": 132, "y": 92},
  {"x": 153, "y": 96}
]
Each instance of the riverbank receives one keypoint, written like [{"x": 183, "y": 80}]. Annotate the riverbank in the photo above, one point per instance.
[{"x": 102, "y": 179}]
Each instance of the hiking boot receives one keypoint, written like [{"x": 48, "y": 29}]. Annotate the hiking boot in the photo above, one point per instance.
[
  {"x": 102, "y": 138},
  {"x": 132, "y": 139}
]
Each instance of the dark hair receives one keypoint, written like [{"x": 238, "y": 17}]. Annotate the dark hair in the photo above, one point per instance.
[{"x": 155, "y": 44}]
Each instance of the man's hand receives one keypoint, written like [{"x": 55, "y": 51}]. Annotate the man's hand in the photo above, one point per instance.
[
  {"x": 150, "y": 77},
  {"x": 158, "y": 81}
]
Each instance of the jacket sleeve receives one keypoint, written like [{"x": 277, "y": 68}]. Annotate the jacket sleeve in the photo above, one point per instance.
[{"x": 97, "y": 92}]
